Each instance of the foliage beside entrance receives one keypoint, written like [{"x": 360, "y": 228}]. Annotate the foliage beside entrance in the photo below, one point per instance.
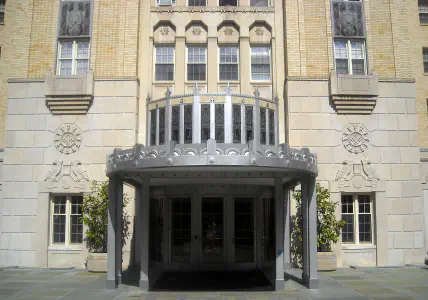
[
  {"x": 328, "y": 227},
  {"x": 95, "y": 217}
]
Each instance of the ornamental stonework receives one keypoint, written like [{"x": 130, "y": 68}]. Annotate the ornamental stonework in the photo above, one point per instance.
[
  {"x": 355, "y": 138},
  {"x": 164, "y": 31},
  {"x": 68, "y": 138},
  {"x": 228, "y": 31}
]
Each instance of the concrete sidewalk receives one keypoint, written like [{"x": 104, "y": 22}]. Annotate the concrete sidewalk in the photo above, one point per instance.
[{"x": 370, "y": 283}]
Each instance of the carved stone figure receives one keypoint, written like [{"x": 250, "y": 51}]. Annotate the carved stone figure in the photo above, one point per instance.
[
  {"x": 369, "y": 170},
  {"x": 77, "y": 171},
  {"x": 55, "y": 171},
  {"x": 345, "y": 170}
]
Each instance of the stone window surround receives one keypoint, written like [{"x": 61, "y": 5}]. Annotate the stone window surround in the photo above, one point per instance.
[
  {"x": 199, "y": 63},
  {"x": 356, "y": 244},
  {"x": 228, "y": 63},
  {"x": 270, "y": 62},
  {"x": 67, "y": 245}
]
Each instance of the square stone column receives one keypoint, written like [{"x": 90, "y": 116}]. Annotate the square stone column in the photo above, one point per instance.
[
  {"x": 118, "y": 236},
  {"x": 309, "y": 210},
  {"x": 279, "y": 232},
  {"x": 111, "y": 236},
  {"x": 287, "y": 244},
  {"x": 144, "y": 233}
]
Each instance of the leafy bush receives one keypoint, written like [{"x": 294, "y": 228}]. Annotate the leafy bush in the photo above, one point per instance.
[
  {"x": 95, "y": 217},
  {"x": 328, "y": 228}
]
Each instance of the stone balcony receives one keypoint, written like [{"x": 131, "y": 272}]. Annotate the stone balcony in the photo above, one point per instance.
[{"x": 354, "y": 94}]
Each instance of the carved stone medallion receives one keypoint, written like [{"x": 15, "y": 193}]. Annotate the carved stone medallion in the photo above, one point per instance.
[
  {"x": 164, "y": 31},
  {"x": 260, "y": 31},
  {"x": 228, "y": 31},
  {"x": 355, "y": 138},
  {"x": 197, "y": 31},
  {"x": 68, "y": 138}
]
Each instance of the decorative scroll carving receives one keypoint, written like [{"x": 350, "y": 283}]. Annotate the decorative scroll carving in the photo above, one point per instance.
[
  {"x": 358, "y": 174},
  {"x": 348, "y": 19},
  {"x": 75, "y": 18},
  {"x": 164, "y": 31},
  {"x": 68, "y": 138},
  {"x": 355, "y": 138}
]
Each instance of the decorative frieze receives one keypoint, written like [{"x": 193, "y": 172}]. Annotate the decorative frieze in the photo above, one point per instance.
[
  {"x": 221, "y": 9},
  {"x": 357, "y": 176},
  {"x": 66, "y": 176}
]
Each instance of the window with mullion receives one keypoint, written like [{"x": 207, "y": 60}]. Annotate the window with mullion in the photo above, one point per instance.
[
  {"x": 348, "y": 217},
  {"x": 259, "y": 3},
  {"x": 349, "y": 57},
  {"x": 2, "y": 10},
  {"x": 196, "y": 63},
  {"x": 73, "y": 58},
  {"x": 164, "y": 63},
  {"x": 228, "y": 2},
  {"x": 67, "y": 226},
  {"x": 364, "y": 219},
  {"x": 229, "y": 63},
  {"x": 260, "y": 63},
  {"x": 425, "y": 58},
  {"x": 423, "y": 11},
  {"x": 357, "y": 213}
]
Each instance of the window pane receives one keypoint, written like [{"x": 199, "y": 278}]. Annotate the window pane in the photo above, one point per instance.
[
  {"x": 342, "y": 66},
  {"x": 271, "y": 126},
  {"x": 82, "y": 66},
  {"x": 153, "y": 127},
  {"x": 262, "y": 125},
  {"x": 340, "y": 49},
  {"x": 197, "y": 3},
  {"x": 229, "y": 72},
  {"x": 228, "y": 2},
  {"x": 59, "y": 219},
  {"x": 83, "y": 50},
  {"x": 357, "y": 50},
  {"x": 347, "y": 204},
  {"x": 249, "y": 123},
  {"x": 358, "y": 67},
  {"x": 188, "y": 123},
  {"x": 364, "y": 227},
  {"x": 196, "y": 55},
  {"x": 196, "y": 72},
  {"x": 236, "y": 123},
  {"x": 219, "y": 123},
  {"x": 423, "y": 18},
  {"x": 260, "y": 3},
  {"x": 164, "y": 72},
  {"x": 175, "y": 124},
  {"x": 65, "y": 67},
  {"x": 348, "y": 229},
  {"x": 425, "y": 58},
  {"x": 66, "y": 50},
  {"x": 161, "y": 125},
  {"x": 205, "y": 122},
  {"x": 59, "y": 205}
]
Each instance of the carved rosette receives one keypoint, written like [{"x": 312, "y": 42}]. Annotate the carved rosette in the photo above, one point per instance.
[
  {"x": 68, "y": 138},
  {"x": 355, "y": 138}
]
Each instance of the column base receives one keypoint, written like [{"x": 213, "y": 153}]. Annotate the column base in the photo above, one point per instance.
[
  {"x": 279, "y": 284},
  {"x": 111, "y": 284},
  {"x": 119, "y": 279},
  {"x": 144, "y": 285},
  {"x": 310, "y": 283}
]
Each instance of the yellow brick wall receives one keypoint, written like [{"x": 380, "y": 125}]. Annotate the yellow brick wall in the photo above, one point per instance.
[
  {"x": 419, "y": 40},
  {"x": 309, "y": 42},
  {"x": 28, "y": 41}
]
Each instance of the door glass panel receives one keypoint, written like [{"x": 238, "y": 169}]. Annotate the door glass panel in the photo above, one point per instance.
[
  {"x": 181, "y": 211},
  {"x": 156, "y": 229},
  {"x": 244, "y": 230},
  {"x": 212, "y": 230},
  {"x": 268, "y": 230}
]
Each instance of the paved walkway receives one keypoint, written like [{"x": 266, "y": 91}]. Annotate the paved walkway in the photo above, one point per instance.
[{"x": 373, "y": 283}]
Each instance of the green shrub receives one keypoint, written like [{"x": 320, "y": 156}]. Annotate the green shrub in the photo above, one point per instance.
[
  {"x": 95, "y": 217},
  {"x": 328, "y": 227}
]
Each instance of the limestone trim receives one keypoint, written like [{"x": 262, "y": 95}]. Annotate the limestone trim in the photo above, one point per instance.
[{"x": 359, "y": 177}]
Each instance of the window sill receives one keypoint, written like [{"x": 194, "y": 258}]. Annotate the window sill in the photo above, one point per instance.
[
  {"x": 261, "y": 81},
  {"x": 163, "y": 82},
  {"x": 358, "y": 246},
  {"x": 228, "y": 81},
  {"x": 1, "y": 23},
  {"x": 425, "y": 74},
  {"x": 65, "y": 248},
  {"x": 196, "y": 81}
]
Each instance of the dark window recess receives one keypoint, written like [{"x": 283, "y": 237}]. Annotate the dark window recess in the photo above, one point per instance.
[
  {"x": 228, "y": 2},
  {"x": 2, "y": 10},
  {"x": 236, "y": 123},
  {"x": 348, "y": 19},
  {"x": 196, "y": 72},
  {"x": 423, "y": 11},
  {"x": 425, "y": 58},
  {"x": 153, "y": 127},
  {"x": 197, "y": 2},
  {"x": 228, "y": 72},
  {"x": 156, "y": 229},
  {"x": 271, "y": 127},
  {"x": 348, "y": 217},
  {"x": 162, "y": 125},
  {"x": 188, "y": 123},
  {"x": 75, "y": 19},
  {"x": 262, "y": 126},
  {"x": 175, "y": 124},
  {"x": 59, "y": 219},
  {"x": 249, "y": 123},
  {"x": 219, "y": 123},
  {"x": 205, "y": 122},
  {"x": 76, "y": 232},
  {"x": 259, "y": 3},
  {"x": 164, "y": 72}
]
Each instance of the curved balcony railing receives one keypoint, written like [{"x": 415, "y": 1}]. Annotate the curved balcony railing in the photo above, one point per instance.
[{"x": 225, "y": 117}]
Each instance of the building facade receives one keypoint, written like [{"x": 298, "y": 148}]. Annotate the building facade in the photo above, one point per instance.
[{"x": 213, "y": 104}]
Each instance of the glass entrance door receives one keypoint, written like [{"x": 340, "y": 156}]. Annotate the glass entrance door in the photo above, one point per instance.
[
  {"x": 212, "y": 231},
  {"x": 181, "y": 231}
]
